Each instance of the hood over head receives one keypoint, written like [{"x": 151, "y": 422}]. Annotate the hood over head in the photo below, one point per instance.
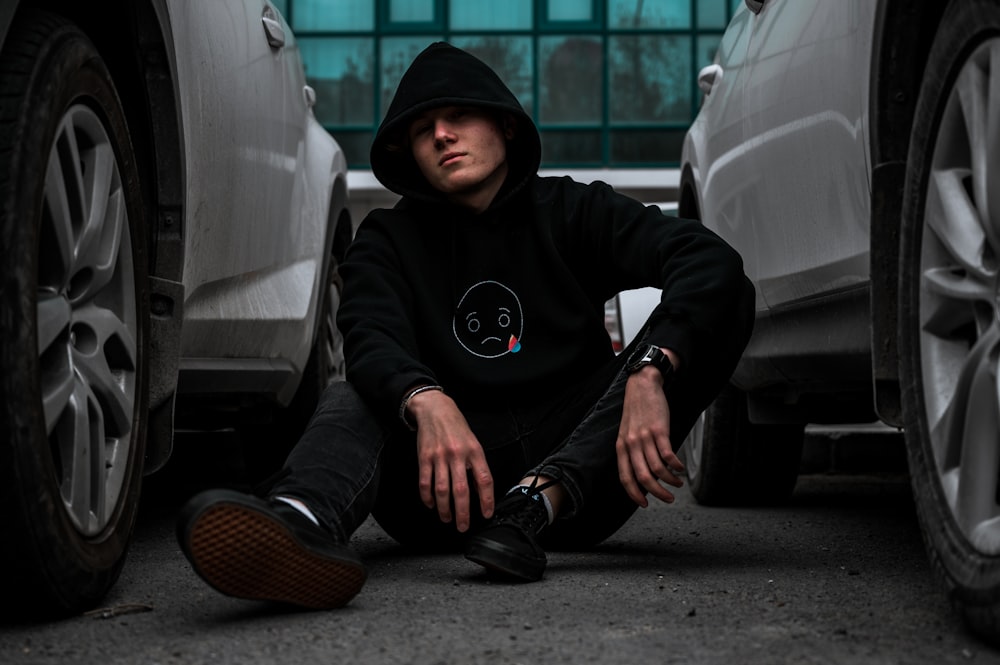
[{"x": 443, "y": 75}]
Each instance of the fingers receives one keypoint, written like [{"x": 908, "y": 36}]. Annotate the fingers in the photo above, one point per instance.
[
  {"x": 484, "y": 487},
  {"x": 444, "y": 485},
  {"x": 644, "y": 467}
]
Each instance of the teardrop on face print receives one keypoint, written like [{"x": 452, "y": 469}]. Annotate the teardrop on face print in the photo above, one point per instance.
[{"x": 488, "y": 321}]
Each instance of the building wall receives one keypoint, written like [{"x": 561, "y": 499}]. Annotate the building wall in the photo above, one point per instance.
[{"x": 611, "y": 84}]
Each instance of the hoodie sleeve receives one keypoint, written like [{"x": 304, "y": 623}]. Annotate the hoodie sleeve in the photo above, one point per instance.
[
  {"x": 706, "y": 307},
  {"x": 376, "y": 318}
]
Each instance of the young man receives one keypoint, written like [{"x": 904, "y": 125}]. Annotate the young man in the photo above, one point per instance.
[{"x": 478, "y": 365}]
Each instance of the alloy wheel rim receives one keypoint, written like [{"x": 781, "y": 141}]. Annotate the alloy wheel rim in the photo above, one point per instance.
[
  {"x": 959, "y": 312},
  {"x": 87, "y": 320}
]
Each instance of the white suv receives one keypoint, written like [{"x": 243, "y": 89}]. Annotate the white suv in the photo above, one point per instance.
[
  {"x": 171, "y": 217},
  {"x": 850, "y": 151}
]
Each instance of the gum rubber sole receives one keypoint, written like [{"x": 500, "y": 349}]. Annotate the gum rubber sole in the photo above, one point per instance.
[{"x": 245, "y": 553}]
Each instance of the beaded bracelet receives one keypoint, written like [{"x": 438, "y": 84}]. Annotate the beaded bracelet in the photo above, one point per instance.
[{"x": 406, "y": 403}]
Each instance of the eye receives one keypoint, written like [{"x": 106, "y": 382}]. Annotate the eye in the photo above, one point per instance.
[
  {"x": 473, "y": 325},
  {"x": 504, "y": 320}
]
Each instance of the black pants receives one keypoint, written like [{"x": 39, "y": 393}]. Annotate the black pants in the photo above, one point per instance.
[{"x": 348, "y": 465}]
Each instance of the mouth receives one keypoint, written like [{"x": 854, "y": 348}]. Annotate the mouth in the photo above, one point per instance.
[{"x": 450, "y": 157}]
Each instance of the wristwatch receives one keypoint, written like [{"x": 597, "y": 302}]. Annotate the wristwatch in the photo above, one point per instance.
[{"x": 650, "y": 355}]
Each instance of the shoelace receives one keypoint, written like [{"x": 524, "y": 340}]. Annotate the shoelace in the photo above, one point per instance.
[{"x": 530, "y": 517}]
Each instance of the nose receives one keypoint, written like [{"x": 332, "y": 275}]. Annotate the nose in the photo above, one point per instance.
[{"x": 443, "y": 132}]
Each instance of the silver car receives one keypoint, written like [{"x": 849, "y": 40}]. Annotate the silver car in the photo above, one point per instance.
[
  {"x": 171, "y": 218},
  {"x": 850, "y": 151}
]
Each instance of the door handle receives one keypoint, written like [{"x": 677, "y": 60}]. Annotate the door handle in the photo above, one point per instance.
[
  {"x": 708, "y": 77},
  {"x": 272, "y": 28}
]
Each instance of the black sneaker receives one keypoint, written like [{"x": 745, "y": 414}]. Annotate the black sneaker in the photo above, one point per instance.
[
  {"x": 508, "y": 544},
  {"x": 250, "y": 548}
]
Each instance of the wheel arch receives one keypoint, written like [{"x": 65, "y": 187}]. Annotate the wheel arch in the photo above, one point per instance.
[{"x": 899, "y": 54}]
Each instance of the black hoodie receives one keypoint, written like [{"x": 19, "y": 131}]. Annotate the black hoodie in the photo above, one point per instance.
[{"x": 506, "y": 307}]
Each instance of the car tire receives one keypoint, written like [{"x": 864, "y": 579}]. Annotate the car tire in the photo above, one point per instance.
[
  {"x": 949, "y": 329},
  {"x": 731, "y": 461},
  {"x": 74, "y": 318}
]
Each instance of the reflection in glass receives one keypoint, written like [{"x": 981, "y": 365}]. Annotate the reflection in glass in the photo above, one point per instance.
[
  {"x": 570, "y": 10},
  {"x": 708, "y": 46},
  {"x": 712, "y": 14},
  {"x": 341, "y": 70},
  {"x": 581, "y": 148},
  {"x": 510, "y": 58},
  {"x": 356, "y": 146},
  {"x": 490, "y": 15},
  {"x": 342, "y": 15},
  {"x": 636, "y": 148},
  {"x": 397, "y": 54},
  {"x": 651, "y": 75},
  {"x": 411, "y": 11},
  {"x": 644, "y": 14},
  {"x": 570, "y": 80}
]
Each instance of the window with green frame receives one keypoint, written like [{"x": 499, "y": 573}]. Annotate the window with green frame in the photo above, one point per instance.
[{"x": 610, "y": 83}]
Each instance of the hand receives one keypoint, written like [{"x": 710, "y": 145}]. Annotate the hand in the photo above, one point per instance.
[
  {"x": 645, "y": 455},
  {"x": 446, "y": 451}
]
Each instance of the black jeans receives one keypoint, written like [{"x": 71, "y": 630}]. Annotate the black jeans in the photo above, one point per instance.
[{"x": 348, "y": 465}]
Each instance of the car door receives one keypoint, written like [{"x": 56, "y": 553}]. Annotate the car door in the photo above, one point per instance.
[
  {"x": 805, "y": 138},
  {"x": 714, "y": 145},
  {"x": 244, "y": 115}
]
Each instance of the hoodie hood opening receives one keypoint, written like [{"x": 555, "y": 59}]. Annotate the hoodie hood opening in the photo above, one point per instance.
[{"x": 443, "y": 75}]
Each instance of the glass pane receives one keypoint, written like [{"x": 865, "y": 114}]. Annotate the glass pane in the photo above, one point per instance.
[
  {"x": 411, "y": 11},
  {"x": 490, "y": 15},
  {"x": 632, "y": 147},
  {"x": 343, "y": 15},
  {"x": 636, "y": 14},
  {"x": 342, "y": 73},
  {"x": 356, "y": 146},
  {"x": 510, "y": 58},
  {"x": 571, "y": 10},
  {"x": 397, "y": 54},
  {"x": 707, "y": 48},
  {"x": 281, "y": 6},
  {"x": 580, "y": 148},
  {"x": 650, "y": 78},
  {"x": 570, "y": 79},
  {"x": 712, "y": 14}
]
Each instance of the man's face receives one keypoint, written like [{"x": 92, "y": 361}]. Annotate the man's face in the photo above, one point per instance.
[{"x": 461, "y": 151}]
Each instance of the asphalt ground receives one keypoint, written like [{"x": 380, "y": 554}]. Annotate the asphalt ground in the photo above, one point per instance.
[{"x": 839, "y": 575}]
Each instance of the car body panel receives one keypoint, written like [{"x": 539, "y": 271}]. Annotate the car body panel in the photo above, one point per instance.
[
  {"x": 251, "y": 282},
  {"x": 810, "y": 132}
]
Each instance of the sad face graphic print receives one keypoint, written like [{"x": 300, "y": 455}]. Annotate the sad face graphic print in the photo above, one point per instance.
[{"x": 488, "y": 320}]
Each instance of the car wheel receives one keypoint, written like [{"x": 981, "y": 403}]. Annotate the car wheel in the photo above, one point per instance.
[
  {"x": 949, "y": 312},
  {"x": 732, "y": 461},
  {"x": 74, "y": 319}
]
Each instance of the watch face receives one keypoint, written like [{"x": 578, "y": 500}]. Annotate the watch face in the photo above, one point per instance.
[{"x": 643, "y": 356}]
